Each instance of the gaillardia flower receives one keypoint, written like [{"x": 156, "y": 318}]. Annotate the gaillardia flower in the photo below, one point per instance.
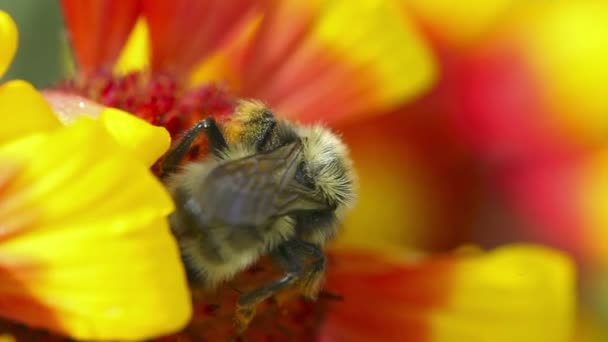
[
  {"x": 344, "y": 63},
  {"x": 85, "y": 248}
]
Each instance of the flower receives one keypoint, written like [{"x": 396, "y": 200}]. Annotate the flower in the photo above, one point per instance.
[
  {"x": 85, "y": 247},
  {"x": 297, "y": 57},
  {"x": 523, "y": 86}
]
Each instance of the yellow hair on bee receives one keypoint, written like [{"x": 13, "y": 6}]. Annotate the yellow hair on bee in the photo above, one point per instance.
[{"x": 243, "y": 119}]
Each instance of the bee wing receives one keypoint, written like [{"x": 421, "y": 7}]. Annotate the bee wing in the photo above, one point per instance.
[{"x": 253, "y": 190}]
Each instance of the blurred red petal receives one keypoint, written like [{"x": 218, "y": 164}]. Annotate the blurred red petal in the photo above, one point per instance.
[
  {"x": 383, "y": 300},
  {"x": 564, "y": 200},
  {"x": 282, "y": 58},
  {"x": 99, "y": 29},
  {"x": 496, "y": 103},
  {"x": 184, "y": 32},
  {"x": 546, "y": 194}
]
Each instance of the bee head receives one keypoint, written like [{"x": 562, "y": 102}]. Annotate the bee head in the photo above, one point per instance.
[{"x": 326, "y": 167}]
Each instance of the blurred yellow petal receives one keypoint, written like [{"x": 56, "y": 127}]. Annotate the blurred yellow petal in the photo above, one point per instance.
[
  {"x": 459, "y": 23},
  {"x": 23, "y": 110},
  {"x": 86, "y": 248},
  {"x": 516, "y": 293},
  {"x": 574, "y": 76},
  {"x": 135, "y": 56},
  {"x": 8, "y": 41},
  {"x": 146, "y": 141}
]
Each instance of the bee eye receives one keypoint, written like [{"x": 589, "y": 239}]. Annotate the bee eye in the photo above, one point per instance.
[{"x": 303, "y": 177}]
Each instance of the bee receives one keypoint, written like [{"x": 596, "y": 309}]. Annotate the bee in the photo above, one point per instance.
[{"x": 267, "y": 187}]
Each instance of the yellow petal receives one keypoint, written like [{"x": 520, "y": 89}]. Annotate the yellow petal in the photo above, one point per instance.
[
  {"x": 372, "y": 33},
  {"x": 23, "y": 110},
  {"x": 8, "y": 41},
  {"x": 575, "y": 74},
  {"x": 145, "y": 141},
  {"x": 88, "y": 240},
  {"x": 516, "y": 293},
  {"x": 135, "y": 56},
  {"x": 459, "y": 23}
]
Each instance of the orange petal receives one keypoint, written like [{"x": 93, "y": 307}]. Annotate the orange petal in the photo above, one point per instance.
[
  {"x": 98, "y": 30},
  {"x": 328, "y": 60},
  {"x": 514, "y": 293},
  {"x": 183, "y": 32}
]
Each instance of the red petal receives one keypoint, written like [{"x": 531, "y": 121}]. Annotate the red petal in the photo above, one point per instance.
[
  {"x": 17, "y": 304},
  {"x": 383, "y": 300},
  {"x": 546, "y": 193},
  {"x": 306, "y": 60},
  {"x": 283, "y": 57},
  {"x": 183, "y": 32},
  {"x": 99, "y": 29}
]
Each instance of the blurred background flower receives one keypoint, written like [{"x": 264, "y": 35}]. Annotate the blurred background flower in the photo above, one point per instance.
[{"x": 478, "y": 123}]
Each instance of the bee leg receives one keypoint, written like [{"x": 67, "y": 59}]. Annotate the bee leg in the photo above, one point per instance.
[
  {"x": 313, "y": 276},
  {"x": 216, "y": 139},
  {"x": 177, "y": 154},
  {"x": 248, "y": 301}
]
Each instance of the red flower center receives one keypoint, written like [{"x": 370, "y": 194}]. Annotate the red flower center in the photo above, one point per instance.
[{"x": 157, "y": 98}]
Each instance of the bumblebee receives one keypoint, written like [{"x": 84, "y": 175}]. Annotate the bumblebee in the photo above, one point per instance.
[{"x": 267, "y": 187}]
